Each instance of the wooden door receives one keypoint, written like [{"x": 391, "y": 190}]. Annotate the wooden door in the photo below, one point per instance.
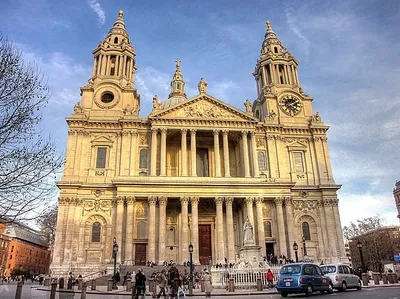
[
  {"x": 140, "y": 254},
  {"x": 205, "y": 243}
]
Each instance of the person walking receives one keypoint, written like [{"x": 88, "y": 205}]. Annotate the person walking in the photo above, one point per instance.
[
  {"x": 270, "y": 278},
  {"x": 174, "y": 280},
  {"x": 207, "y": 283},
  {"x": 140, "y": 284},
  {"x": 162, "y": 283}
]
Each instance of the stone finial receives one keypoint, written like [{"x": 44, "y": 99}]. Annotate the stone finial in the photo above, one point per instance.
[
  {"x": 249, "y": 106},
  {"x": 202, "y": 86},
  {"x": 178, "y": 64}
]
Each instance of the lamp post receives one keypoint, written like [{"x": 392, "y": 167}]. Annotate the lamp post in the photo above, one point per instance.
[
  {"x": 295, "y": 248},
  {"x": 191, "y": 270},
  {"x": 115, "y": 251},
  {"x": 360, "y": 246},
  {"x": 304, "y": 247}
]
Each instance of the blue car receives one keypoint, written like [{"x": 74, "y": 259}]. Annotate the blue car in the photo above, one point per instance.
[{"x": 303, "y": 278}]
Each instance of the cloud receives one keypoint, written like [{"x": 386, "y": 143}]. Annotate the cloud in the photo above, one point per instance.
[{"x": 95, "y": 5}]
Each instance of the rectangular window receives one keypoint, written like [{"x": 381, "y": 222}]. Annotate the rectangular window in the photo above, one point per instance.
[
  {"x": 298, "y": 162},
  {"x": 10, "y": 256},
  {"x": 101, "y": 157},
  {"x": 12, "y": 248}
]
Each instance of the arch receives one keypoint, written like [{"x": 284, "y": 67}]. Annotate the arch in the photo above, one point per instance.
[
  {"x": 258, "y": 115},
  {"x": 310, "y": 226},
  {"x": 96, "y": 232},
  {"x": 305, "y": 228},
  {"x": 268, "y": 229},
  {"x": 116, "y": 40}
]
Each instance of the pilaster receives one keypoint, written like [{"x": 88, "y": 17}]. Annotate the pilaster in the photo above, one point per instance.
[
  {"x": 194, "y": 200},
  {"x": 281, "y": 225},
  {"x": 220, "y": 230},
  {"x": 260, "y": 224},
  {"x": 216, "y": 154},
  {"x": 185, "y": 229},
  {"x": 184, "y": 151},
  {"x": 290, "y": 225},
  {"x": 153, "y": 160},
  {"x": 163, "y": 153},
  {"x": 230, "y": 232},
  {"x": 152, "y": 200},
  {"x": 226, "y": 153},
  {"x": 193, "y": 152},
  {"x": 245, "y": 154},
  {"x": 130, "y": 201},
  {"x": 162, "y": 201}
]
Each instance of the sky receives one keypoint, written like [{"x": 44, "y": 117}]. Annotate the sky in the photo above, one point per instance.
[{"x": 348, "y": 54}]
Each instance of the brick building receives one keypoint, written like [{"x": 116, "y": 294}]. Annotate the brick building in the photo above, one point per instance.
[{"x": 4, "y": 245}]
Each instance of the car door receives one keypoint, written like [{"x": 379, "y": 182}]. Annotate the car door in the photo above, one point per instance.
[
  {"x": 317, "y": 278},
  {"x": 353, "y": 281}
]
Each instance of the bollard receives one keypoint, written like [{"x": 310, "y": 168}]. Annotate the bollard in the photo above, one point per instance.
[
  {"x": 61, "y": 283},
  {"x": 53, "y": 290},
  {"x": 69, "y": 284},
  {"x": 365, "y": 279},
  {"x": 93, "y": 286},
  {"x": 202, "y": 287},
  {"x": 395, "y": 278},
  {"x": 259, "y": 284},
  {"x": 390, "y": 278},
  {"x": 384, "y": 279},
  {"x": 231, "y": 285},
  {"x": 375, "y": 276},
  {"x": 47, "y": 282},
  {"x": 128, "y": 285},
  {"x": 18, "y": 293},
  {"x": 109, "y": 284},
  {"x": 83, "y": 294},
  {"x": 80, "y": 284}
]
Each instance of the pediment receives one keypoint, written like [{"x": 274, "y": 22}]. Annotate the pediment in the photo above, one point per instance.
[
  {"x": 102, "y": 140},
  {"x": 204, "y": 107},
  {"x": 296, "y": 145}
]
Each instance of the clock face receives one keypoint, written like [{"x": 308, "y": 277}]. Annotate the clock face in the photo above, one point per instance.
[{"x": 290, "y": 105}]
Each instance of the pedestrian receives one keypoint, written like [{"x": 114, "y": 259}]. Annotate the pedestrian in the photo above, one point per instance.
[
  {"x": 140, "y": 284},
  {"x": 117, "y": 277},
  {"x": 270, "y": 278},
  {"x": 207, "y": 283},
  {"x": 162, "y": 283},
  {"x": 174, "y": 280}
]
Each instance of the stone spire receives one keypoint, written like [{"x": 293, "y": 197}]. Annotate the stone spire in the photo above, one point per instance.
[
  {"x": 177, "y": 83},
  {"x": 271, "y": 44}
]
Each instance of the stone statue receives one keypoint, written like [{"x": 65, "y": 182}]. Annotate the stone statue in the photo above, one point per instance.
[
  {"x": 156, "y": 103},
  {"x": 202, "y": 86},
  {"x": 316, "y": 117},
  {"x": 271, "y": 116},
  {"x": 249, "y": 106},
  {"x": 78, "y": 109},
  {"x": 248, "y": 232},
  {"x": 128, "y": 110}
]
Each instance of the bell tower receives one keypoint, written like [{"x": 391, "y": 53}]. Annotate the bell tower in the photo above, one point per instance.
[
  {"x": 110, "y": 91},
  {"x": 279, "y": 93}
]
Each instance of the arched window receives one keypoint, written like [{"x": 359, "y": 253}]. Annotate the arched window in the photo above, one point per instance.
[
  {"x": 96, "y": 232},
  {"x": 258, "y": 114},
  {"x": 143, "y": 158},
  {"x": 275, "y": 49},
  {"x": 267, "y": 229},
  {"x": 306, "y": 231},
  {"x": 116, "y": 40}
]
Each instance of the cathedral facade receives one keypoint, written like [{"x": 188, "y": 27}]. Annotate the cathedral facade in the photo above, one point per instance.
[{"x": 194, "y": 170}]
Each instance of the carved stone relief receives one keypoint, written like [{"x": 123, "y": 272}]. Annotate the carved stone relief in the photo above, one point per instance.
[{"x": 305, "y": 205}]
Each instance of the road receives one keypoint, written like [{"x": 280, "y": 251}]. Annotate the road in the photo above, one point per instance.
[{"x": 30, "y": 292}]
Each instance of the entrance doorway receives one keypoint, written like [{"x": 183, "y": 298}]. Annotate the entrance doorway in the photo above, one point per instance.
[
  {"x": 202, "y": 162},
  {"x": 205, "y": 243},
  {"x": 140, "y": 254},
  {"x": 269, "y": 247}
]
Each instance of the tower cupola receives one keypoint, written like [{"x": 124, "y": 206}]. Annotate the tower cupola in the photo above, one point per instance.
[{"x": 177, "y": 94}]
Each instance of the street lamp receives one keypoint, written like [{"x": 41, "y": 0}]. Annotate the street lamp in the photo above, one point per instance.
[
  {"x": 115, "y": 251},
  {"x": 191, "y": 270},
  {"x": 295, "y": 248},
  {"x": 360, "y": 246},
  {"x": 304, "y": 247}
]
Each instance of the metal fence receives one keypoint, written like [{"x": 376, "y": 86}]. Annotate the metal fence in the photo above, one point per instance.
[{"x": 243, "y": 278}]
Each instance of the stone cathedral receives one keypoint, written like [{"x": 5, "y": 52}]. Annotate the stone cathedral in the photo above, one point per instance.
[{"x": 194, "y": 170}]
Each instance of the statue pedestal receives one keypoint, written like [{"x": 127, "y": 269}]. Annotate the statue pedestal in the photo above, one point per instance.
[{"x": 251, "y": 253}]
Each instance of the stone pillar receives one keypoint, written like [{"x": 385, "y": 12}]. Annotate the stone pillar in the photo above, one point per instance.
[
  {"x": 290, "y": 225},
  {"x": 152, "y": 228},
  {"x": 220, "y": 230},
  {"x": 99, "y": 58},
  {"x": 226, "y": 153},
  {"x": 230, "y": 232},
  {"x": 185, "y": 229},
  {"x": 254, "y": 158},
  {"x": 75, "y": 232},
  {"x": 133, "y": 154},
  {"x": 260, "y": 225},
  {"x": 119, "y": 225},
  {"x": 162, "y": 201},
  {"x": 281, "y": 226},
  {"x": 194, "y": 200},
  {"x": 216, "y": 154},
  {"x": 69, "y": 230},
  {"x": 103, "y": 65},
  {"x": 130, "y": 201},
  {"x": 249, "y": 208},
  {"x": 338, "y": 224},
  {"x": 184, "y": 152},
  {"x": 163, "y": 153},
  {"x": 326, "y": 248},
  {"x": 245, "y": 154},
  {"x": 59, "y": 243},
  {"x": 331, "y": 229},
  {"x": 124, "y": 67},
  {"x": 108, "y": 65},
  {"x": 193, "y": 151},
  {"x": 124, "y": 169},
  {"x": 153, "y": 161}
]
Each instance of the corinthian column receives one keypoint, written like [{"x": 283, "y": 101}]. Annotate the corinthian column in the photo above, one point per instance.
[
  {"x": 194, "y": 200},
  {"x": 254, "y": 154},
  {"x": 119, "y": 225},
  {"x": 220, "y": 230},
  {"x": 245, "y": 154},
  {"x": 339, "y": 233},
  {"x": 59, "y": 243},
  {"x": 249, "y": 207},
  {"x": 163, "y": 151},
  {"x": 162, "y": 201},
  {"x": 226, "y": 153},
  {"x": 193, "y": 151},
  {"x": 331, "y": 228},
  {"x": 229, "y": 226},
  {"x": 260, "y": 224},
  {"x": 152, "y": 228},
  {"x": 290, "y": 224},
  {"x": 153, "y": 161},
  {"x": 216, "y": 154},
  {"x": 185, "y": 229},
  {"x": 281, "y": 226},
  {"x": 130, "y": 201},
  {"x": 184, "y": 153}
]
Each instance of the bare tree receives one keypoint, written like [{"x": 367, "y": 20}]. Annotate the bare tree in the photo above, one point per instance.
[
  {"x": 362, "y": 225},
  {"x": 28, "y": 162},
  {"x": 47, "y": 223}
]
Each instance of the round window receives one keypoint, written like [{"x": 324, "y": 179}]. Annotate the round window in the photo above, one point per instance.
[{"x": 107, "y": 97}]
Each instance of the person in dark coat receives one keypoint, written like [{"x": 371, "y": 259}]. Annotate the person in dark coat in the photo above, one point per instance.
[{"x": 140, "y": 284}]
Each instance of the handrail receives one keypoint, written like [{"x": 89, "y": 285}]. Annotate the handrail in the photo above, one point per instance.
[{"x": 92, "y": 274}]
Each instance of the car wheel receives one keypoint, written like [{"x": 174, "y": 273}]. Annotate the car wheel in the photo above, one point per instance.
[
  {"x": 284, "y": 294},
  {"x": 359, "y": 286},
  {"x": 309, "y": 290},
  {"x": 330, "y": 288},
  {"x": 344, "y": 287}
]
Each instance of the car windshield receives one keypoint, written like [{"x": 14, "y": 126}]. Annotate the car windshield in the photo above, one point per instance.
[
  {"x": 291, "y": 269},
  {"x": 328, "y": 269}
]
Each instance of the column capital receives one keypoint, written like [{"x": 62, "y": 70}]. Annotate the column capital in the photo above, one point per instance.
[
  {"x": 162, "y": 200},
  {"x": 219, "y": 200},
  {"x": 154, "y": 130},
  {"x": 259, "y": 200},
  {"x": 184, "y": 200},
  {"x": 279, "y": 200},
  {"x": 163, "y": 130},
  {"x": 288, "y": 200},
  {"x": 120, "y": 199},
  {"x": 229, "y": 200},
  {"x": 225, "y": 132},
  {"x": 193, "y": 131},
  {"x": 249, "y": 200},
  {"x": 152, "y": 200},
  {"x": 184, "y": 131},
  {"x": 194, "y": 200},
  {"x": 244, "y": 133},
  {"x": 130, "y": 200},
  {"x": 216, "y": 132},
  {"x": 253, "y": 133}
]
